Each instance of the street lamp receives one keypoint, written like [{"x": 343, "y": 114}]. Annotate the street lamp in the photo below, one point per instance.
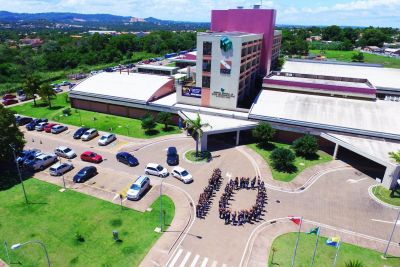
[
  {"x": 19, "y": 173},
  {"x": 391, "y": 234},
  {"x": 59, "y": 158},
  {"x": 18, "y": 245},
  {"x": 161, "y": 211}
]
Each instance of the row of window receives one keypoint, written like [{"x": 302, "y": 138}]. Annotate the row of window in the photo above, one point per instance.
[{"x": 250, "y": 49}]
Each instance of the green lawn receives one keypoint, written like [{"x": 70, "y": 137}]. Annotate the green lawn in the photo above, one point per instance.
[
  {"x": 54, "y": 218},
  {"x": 384, "y": 195},
  {"x": 285, "y": 244},
  {"x": 103, "y": 122},
  {"x": 202, "y": 156},
  {"x": 300, "y": 162},
  {"x": 368, "y": 58}
]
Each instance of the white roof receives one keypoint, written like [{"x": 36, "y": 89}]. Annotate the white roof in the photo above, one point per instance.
[
  {"x": 168, "y": 100},
  {"x": 379, "y": 77},
  {"x": 156, "y": 67},
  {"x": 377, "y": 116},
  {"x": 135, "y": 85}
]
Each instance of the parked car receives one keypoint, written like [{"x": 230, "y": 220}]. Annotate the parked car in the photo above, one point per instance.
[
  {"x": 182, "y": 174},
  {"x": 108, "y": 70},
  {"x": 138, "y": 188},
  {"x": 156, "y": 169},
  {"x": 126, "y": 158},
  {"x": 65, "y": 83},
  {"x": 9, "y": 96},
  {"x": 84, "y": 174},
  {"x": 25, "y": 154},
  {"x": 8, "y": 102},
  {"x": 23, "y": 120},
  {"x": 58, "y": 129},
  {"x": 31, "y": 158},
  {"x": 60, "y": 168},
  {"x": 78, "y": 133},
  {"x": 57, "y": 89},
  {"x": 89, "y": 134},
  {"x": 107, "y": 138},
  {"x": 172, "y": 156},
  {"x": 41, "y": 125},
  {"x": 48, "y": 127},
  {"x": 65, "y": 152},
  {"x": 21, "y": 95},
  {"x": 91, "y": 157},
  {"x": 42, "y": 161},
  {"x": 32, "y": 125}
]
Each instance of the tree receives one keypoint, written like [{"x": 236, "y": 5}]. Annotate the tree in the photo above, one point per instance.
[
  {"x": 195, "y": 128},
  {"x": 355, "y": 263},
  {"x": 332, "y": 33},
  {"x": 306, "y": 145},
  {"x": 395, "y": 156},
  {"x": 9, "y": 134},
  {"x": 164, "y": 118},
  {"x": 148, "y": 123},
  {"x": 46, "y": 92},
  {"x": 359, "y": 57},
  {"x": 31, "y": 87},
  {"x": 282, "y": 159},
  {"x": 263, "y": 133}
]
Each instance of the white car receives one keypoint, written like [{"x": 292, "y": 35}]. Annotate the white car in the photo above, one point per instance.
[
  {"x": 89, "y": 134},
  {"x": 156, "y": 169},
  {"x": 182, "y": 174},
  {"x": 65, "y": 152},
  {"x": 58, "y": 129},
  {"x": 60, "y": 168},
  {"x": 42, "y": 161},
  {"x": 138, "y": 188},
  {"x": 107, "y": 138}
]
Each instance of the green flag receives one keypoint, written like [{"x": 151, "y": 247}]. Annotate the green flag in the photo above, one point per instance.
[{"x": 314, "y": 231}]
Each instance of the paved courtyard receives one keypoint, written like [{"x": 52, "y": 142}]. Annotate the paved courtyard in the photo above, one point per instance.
[{"x": 334, "y": 196}]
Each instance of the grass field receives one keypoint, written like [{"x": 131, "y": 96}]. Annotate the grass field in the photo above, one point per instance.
[
  {"x": 300, "y": 163},
  {"x": 120, "y": 125},
  {"x": 202, "y": 156},
  {"x": 55, "y": 218},
  {"x": 384, "y": 195},
  {"x": 285, "y": 244},
  {"x": 368, "y": 58}
]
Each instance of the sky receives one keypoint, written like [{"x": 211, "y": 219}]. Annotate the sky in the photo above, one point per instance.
[{"x": 298, "y": 12}]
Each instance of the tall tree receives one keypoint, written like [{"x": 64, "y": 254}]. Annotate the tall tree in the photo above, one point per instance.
[
  {"x": 46, "y": 92},
  {"x": 395, "y": 156},
  {"x": 263, "y": 133},
  {"x": 195, "y": 127},
  {"x": 164, "y": 118},
  {"x": 9, "y": 135},
  {"x": 31, "y": 87},
  {"x": 306, "y": 145},
  {"x": 148, "y": 123}
]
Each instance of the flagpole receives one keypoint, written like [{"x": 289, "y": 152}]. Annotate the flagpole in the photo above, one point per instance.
[
  {"x": 337, "y": 253},
  {"x": 315, "y": 248},
  {"x": 297, "y": 241}
]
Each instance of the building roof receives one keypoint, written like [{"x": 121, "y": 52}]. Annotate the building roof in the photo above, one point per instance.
[
  {"x": 136, "y": 86},
  {"x": 156, "y": 67},
  {"x": 374, "y": 118},
  {"x": 228, "y": 33},
  {"x": 379, "y": 77}
]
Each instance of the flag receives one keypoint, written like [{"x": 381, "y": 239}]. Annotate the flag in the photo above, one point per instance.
[
  {"x": 314, "y": 230},
  {"x": 333, "y": 241},
  {"x": 296, "y": 220}
]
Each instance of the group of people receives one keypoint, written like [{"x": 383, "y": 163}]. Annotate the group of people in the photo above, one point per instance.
[
  {"x": 242, "y": 216},
  {"x": 205, "y": 198}
]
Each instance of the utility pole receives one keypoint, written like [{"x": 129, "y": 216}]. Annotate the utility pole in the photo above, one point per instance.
[
  {"x": 391, "y": 234},
  {"x": 19, "y": 173}
]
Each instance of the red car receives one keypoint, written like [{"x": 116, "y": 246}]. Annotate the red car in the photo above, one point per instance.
[
  {"x": 91, "y": 157},
  {"x": 48, "y": 126},
  {"x": 9, "y": 102},
  {"x": 8, "y": 96}
]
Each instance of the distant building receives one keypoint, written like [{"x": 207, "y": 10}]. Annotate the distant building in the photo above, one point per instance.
[
  {"x": 33, "y": 42},
  {"x": 134, "y": 20},
  {"x": 373, "y": 49},
  {"x": 103, "y": 32},
  {"x": 392, "y": 51}
]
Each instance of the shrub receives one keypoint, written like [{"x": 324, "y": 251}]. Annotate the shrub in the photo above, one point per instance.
[
  {"x": 354, "y": 263},
  {"x": 148, "y": 122},
  {"x": 164, "y": 118},
  {"x": 79, "y": 237},
  {"x": 282, "y": 159},
  {"x": 263, "y": 133},
  {"x": 306, "y": 145},
  {"x": 67, "y": 112}
]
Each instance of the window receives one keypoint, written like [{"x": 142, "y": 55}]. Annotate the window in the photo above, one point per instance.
[
  {"x": 207, "y": 48},
  {"x": 207, "y": 65},
  {"x": 206, "y": 81}
]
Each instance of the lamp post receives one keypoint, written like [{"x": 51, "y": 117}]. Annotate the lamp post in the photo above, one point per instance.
[
  {"x": 18, "y": 245},
  {"x": 59, "y": 158},
  {"x": 19, "y": 172},
  {"x": 391, "y": 234},
  {"x": 161, "y": 213}
]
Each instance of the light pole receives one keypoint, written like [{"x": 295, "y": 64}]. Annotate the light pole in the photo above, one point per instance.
[
  {"x": 161, "y": 214},
  {"x": 18, "y": 245},
  {"x": 391, "y": 234},
  {"x": 59, "y": 158},
  {"x": 19, "y": 173}
]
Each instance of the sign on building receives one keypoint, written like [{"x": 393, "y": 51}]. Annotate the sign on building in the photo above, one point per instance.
[
  {"x": 225, "y": 66},
  {"x": 191, "y": 91}
]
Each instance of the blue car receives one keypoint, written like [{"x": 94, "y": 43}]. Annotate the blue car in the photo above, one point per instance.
[
  {"x": 24, "y": 155},
  {"x": 78, "y": 134},
  {"x": 31, "y": 158},
  {"x": 31, "y": 126},
  {"x": 128, "y": 159}
]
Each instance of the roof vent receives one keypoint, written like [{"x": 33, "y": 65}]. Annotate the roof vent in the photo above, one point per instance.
[
  {"x": 256, "y": 6},
  {"x": 240, "y": 7}
]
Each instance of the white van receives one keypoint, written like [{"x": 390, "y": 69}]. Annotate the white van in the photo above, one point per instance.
[{"x": 138, "y": 188}]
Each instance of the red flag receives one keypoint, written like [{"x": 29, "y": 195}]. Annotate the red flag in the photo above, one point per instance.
[{"x": 296, "y": 220}]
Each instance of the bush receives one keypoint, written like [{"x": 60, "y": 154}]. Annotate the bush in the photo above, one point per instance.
[
  {"x": 79, "y": 237},
  {"x": 67, "y": 112},
  {"x": 263, "y": 133},
  {"x": 148, "y": 123},
  {"x": 306, "y": 145},
  {"x": 354, "y": 263},
  {"x": 164, "y": 118},
  {"x": 282, "y": 159}
]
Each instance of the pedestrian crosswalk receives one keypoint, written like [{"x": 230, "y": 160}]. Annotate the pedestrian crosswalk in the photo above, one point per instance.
[{"x": 183, "y": 258}]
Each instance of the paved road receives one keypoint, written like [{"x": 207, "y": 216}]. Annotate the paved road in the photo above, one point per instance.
[{"x": 339, "y": 198}]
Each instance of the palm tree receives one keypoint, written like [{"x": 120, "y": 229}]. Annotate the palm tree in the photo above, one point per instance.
[
  {"x": 195, "y": 127},
  {"x": 31, "y": 87},
  {"x": 46, "y": 91},
  {"x": 355, "y": 263},
  {"x": 395, "y": 156}
]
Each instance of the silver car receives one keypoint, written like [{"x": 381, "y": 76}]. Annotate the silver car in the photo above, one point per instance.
[
  {"x": 89, "y": 134},
  {"x": 60, "y": 168},
  {"x": 42, "y": 161},
  {"x": 40, "y": 126},
  {"x": 106, "y": 139},
  {"x": 65, "y": 152},
  {"x": 56, "y": 129}
]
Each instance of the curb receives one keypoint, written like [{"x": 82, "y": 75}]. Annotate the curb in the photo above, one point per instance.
[{"x": 372, "y": 195}]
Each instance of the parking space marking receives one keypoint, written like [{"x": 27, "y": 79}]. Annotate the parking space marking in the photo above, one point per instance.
[
  {"x": 175, "y": 259},
  {"x": 185, "y": 259},
  {"x": 214, "y": 264},
  {"x": 204, "y": 263},
  {"x": 195, "y": 260}
]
